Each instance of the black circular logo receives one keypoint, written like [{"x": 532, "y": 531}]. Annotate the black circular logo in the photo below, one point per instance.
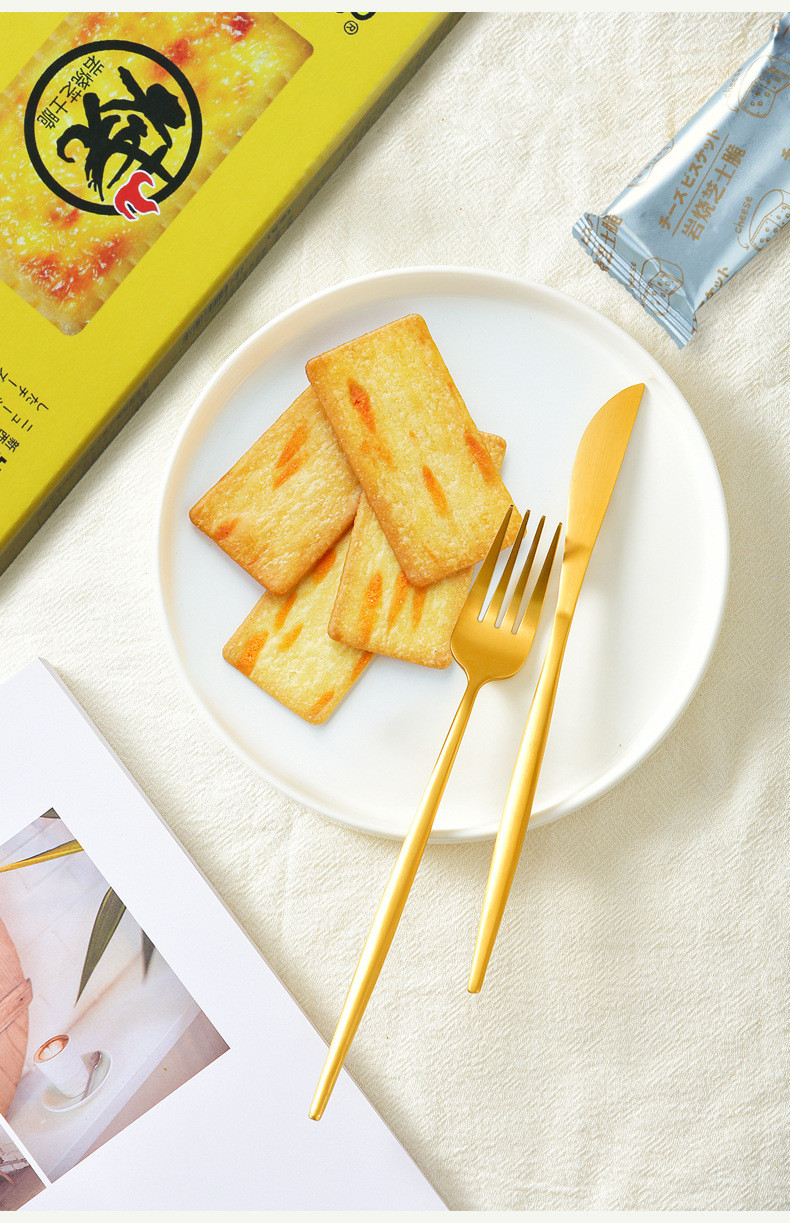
[{"x": 107, "y": 118}]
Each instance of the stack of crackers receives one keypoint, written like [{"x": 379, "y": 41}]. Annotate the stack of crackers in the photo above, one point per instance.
[{"x": 362, "y": 511}]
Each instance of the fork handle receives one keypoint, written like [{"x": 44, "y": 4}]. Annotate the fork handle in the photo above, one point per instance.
[
  {"x": 391, "y": 906},
  {"x": 518, "y": 803}
]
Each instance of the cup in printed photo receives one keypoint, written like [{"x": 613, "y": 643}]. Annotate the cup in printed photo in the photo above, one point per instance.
[{"x": 61, "y": 1063}]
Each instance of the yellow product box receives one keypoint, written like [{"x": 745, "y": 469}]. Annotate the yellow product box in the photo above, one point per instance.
[{"x": 148, "y": 161}]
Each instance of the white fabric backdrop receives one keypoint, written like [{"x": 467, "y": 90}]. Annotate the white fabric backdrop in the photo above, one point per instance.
[{"x": 630, "y": 1048}]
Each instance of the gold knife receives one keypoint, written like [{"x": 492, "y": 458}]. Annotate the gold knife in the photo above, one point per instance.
[{"x": 595, "y": 471}]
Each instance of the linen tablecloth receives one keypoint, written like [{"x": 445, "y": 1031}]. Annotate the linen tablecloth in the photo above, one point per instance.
[{"x": 630, "y": 1048}]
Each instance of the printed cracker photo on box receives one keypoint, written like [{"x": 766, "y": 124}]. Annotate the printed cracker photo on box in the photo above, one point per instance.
[
  {"x": 98, "y": 1029},
  {"x": 150, "y": 160}
]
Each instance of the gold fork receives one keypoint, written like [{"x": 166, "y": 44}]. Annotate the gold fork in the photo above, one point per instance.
[{"x": 486, "y": 652}]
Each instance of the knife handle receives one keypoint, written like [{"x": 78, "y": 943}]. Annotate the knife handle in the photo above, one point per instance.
[{"x": 518, "y": 803}]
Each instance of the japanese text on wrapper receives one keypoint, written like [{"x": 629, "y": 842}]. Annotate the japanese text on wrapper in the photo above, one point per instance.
[
  {"x": 721, "y": 276},
  {"x": 608, "y": 237},
  {"x": 702, "y": 187}
]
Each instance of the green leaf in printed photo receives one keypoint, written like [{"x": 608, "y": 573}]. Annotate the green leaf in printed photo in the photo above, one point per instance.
[{"x": 111, "y": 910}]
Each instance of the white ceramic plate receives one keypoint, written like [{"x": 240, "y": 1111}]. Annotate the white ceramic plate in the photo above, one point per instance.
[{"x": 533, "y": 365}]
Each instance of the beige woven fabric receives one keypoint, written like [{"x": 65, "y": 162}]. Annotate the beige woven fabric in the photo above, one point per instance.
[{"x": 630, "y": 1049}]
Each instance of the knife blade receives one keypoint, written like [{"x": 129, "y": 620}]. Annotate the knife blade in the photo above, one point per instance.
[{"x": 595, "y": 471}]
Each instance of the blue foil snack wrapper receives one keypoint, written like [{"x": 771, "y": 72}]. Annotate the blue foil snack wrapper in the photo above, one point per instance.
[{"x": 712, "y": 198}]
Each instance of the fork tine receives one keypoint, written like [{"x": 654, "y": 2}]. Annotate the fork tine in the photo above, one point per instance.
[
  {"x": 529, "y": 623},
  {"x": 499, "y": 593},
  {"x": 478, "y": 592},
  {"x": 521, "y": 585}
]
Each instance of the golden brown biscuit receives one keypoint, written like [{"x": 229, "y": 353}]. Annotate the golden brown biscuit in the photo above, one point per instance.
[
  {"x": 286, "y": 500},
  {"x": 378, "y": 609},
  {"x": 284, "y": 648},
  {"x": 414, "y": 447},
  {"x": 66, "y": 259}
]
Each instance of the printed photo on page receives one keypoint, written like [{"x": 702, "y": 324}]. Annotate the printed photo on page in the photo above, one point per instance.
[
  {"x": 96, "y": 1027},
  {"x": 18, "y": 1181}
]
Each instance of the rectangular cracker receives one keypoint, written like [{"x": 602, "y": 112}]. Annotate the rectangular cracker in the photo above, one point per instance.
[
  {"x": 378, "y": 609},
  {"x": 414, "y": 447},
  {"x": 66, "y": 261},
  {"x": 286, "y": 501},
  {"x": 283, "y": 645}
]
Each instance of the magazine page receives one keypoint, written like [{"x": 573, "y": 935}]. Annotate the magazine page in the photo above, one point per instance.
[{"x": 148, "y": 1056}]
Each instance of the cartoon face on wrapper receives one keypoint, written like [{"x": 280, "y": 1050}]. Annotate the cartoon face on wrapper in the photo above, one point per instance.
[
  {"x": 754, "y": 89},
  {"x": 661, "y": 279},
  {"x": 772, "y": 212}
]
